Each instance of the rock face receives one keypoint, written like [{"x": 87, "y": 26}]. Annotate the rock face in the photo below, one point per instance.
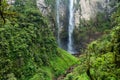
[
  {"x": 63, "y": 18},
  {"x": 43, "y": 7},
  {"x": 84, "y": 9},
  {"x": 88, "y": 9}
]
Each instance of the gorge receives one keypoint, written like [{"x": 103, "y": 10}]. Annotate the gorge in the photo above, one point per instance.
[
  {"x": 70, "y": 15},
  {"x": 76, "y": 11},
  {"x": 59, "y": 39}
]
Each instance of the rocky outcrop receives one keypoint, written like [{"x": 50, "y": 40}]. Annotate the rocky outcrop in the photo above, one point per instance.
[
  {"x": 43, "y": 7},
  {"x": 88, "y": 9}
]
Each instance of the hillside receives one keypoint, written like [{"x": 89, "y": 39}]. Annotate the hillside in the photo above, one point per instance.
[{"x": 28, "y": 49}]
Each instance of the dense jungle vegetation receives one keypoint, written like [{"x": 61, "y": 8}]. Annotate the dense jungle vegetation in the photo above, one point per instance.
[{"x": 29, "y": 51}]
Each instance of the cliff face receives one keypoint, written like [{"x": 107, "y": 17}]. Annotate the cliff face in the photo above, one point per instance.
[
  {"x": 63, "y": 22},
  {"x": 88, "y": 9},
  {"x": 83, "y": 9}
]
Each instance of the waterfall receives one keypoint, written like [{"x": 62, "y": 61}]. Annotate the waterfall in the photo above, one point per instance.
[
  {"x": 71, "y": 26},
  {"x": 58, "y": 21}
]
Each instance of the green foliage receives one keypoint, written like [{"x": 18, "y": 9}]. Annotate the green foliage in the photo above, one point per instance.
[
  {"x": 116, "y": 35},
  {"x": 5, "y": 12},
  {"x": 90, "y": 30},
  {"x": 23, "y": 45},
  {"x": 61, "y": 63},
  {"x": 101, "y": 68},
  {"x": 116, "y": 44},
  {"x": 58, "y": 66}
]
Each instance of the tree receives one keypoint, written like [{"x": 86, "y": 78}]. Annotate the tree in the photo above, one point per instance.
[
  {"x": 1, "y": 11},
  {"x": 5, "y": 11},
  {"x": 116, "y": 35}
]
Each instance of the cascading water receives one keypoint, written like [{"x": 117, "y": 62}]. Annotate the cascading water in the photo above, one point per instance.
[
  {"x": 70, "y": 27},
  {"x": 58, "y": 21}
]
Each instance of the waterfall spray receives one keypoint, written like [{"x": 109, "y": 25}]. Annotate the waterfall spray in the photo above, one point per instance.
[{"x": 70, "y": 27}]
